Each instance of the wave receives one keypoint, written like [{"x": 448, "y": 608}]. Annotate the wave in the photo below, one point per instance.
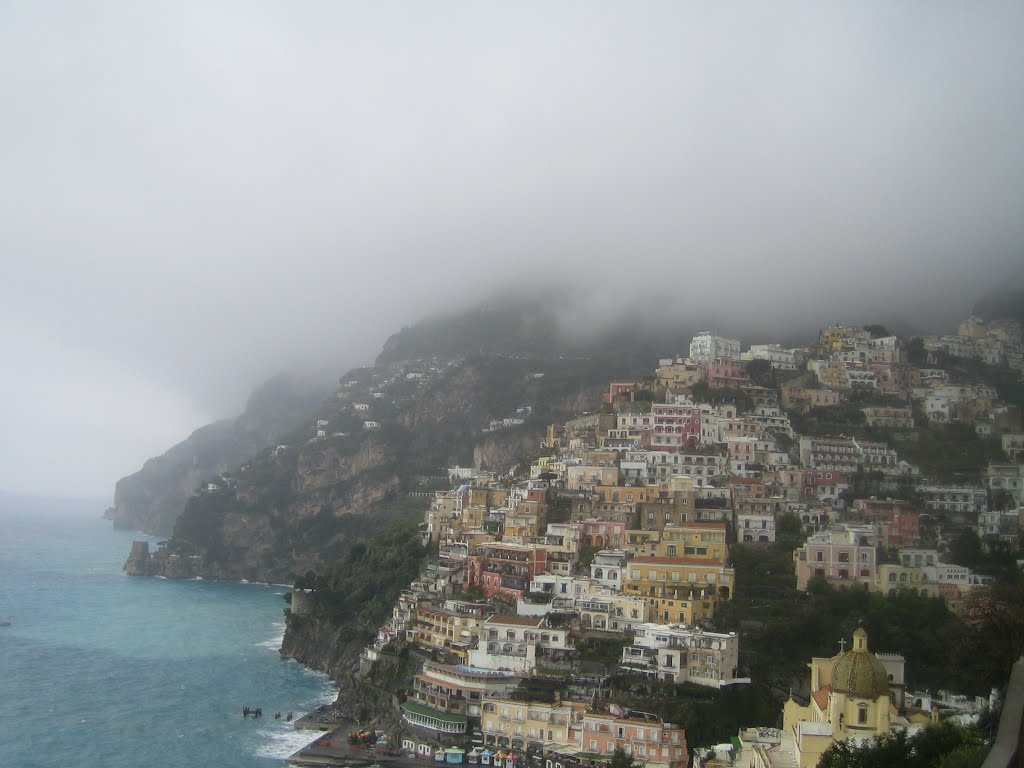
[
  {"x": 274, "y": 643},
  {"x": 281, "y": 740}
]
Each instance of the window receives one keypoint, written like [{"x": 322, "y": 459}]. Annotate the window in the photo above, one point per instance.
[{"x": 862, "y": 714}]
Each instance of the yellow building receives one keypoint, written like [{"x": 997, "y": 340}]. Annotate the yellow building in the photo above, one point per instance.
[
  {"x": 893, "y": 577},
  {"x": 851, "y": 698},
  {"x": 533, "y": 725},
  {"x": 696, "y": 539},
  {"x": 487, "y": 497},
  {"x": 678, "y": 589},
  {"x": 701, "y": 539},
  {"x": 441, "y": 630}
]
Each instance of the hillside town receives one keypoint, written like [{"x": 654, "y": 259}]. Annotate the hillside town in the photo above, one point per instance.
[{"x": 618, "y": 532}]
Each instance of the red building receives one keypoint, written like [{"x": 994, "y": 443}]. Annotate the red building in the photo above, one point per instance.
[
  {"x": 619, "y": 390},
  {"x": 822, "y": 484},
  {"x": 500, "y": 568},
  {"x": 676, "y": 427},
  {"x": 897, "y": 522},
  {"x": 603, "y": 533}
]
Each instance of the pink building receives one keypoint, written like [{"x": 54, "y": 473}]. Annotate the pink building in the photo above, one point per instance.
[
  {"x": 725, "y": 372},
  {"x": 603, "y": 533},
  {"x": 840, "y": 555},
  {"x": 645, "y": 737},
  {"x": 890, "y": 378}
]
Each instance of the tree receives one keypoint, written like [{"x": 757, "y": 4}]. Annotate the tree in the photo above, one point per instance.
[
  {"x": 760, "y": 372},
  {"x": 915, "y": 351},
  {"x": 620, "y": 759},
  {"x": 925, "y": 749},
  {"x": 1002, "y": 500},
  {"x": 966, "y": 550}
]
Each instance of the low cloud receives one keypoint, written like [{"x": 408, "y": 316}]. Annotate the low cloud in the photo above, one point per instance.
[{"x": 197, "y": 196}]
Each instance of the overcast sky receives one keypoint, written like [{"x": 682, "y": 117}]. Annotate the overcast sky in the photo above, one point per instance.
[{"x": 194, "y": 195}]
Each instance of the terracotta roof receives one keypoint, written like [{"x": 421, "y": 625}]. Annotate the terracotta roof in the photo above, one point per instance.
[{"x": 820, "y": 697}]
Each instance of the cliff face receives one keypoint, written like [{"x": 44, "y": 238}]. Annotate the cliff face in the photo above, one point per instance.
[{"x": 151, "y": 499}]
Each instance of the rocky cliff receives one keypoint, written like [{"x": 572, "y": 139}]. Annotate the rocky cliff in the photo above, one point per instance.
[{"x": 151, "y": 499}]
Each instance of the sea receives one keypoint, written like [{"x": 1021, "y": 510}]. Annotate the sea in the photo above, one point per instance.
[{"x": 100, "y": 669}]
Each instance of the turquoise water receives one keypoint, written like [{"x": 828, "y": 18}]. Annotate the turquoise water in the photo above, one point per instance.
[{"x": 98, "y": 669}]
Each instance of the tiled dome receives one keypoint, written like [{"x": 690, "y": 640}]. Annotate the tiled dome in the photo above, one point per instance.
[{"x": 859, "y": 672}]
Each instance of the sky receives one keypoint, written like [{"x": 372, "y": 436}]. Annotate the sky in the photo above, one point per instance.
[{"x": 196, "y": 195}]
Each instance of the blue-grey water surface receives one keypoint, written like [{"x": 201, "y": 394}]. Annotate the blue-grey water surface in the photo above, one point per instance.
[{"x": 99, "y": 669}]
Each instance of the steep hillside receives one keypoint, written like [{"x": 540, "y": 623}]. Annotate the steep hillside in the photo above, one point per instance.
[
  {"x": 151, "y": 499},
  {"x": 300, "y": 505}
]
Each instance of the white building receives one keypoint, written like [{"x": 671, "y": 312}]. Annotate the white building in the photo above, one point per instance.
[
  {"x": 755, "y": 526},
  {"x": 511, "y": 643},
  {"x": 606, "y": 568},
  {"x": 705, "y": 347},
  {"x": 684, "y": 654},
  {"x": 780, "y": 358},
  {"x": 611, "y": 612},
  {"x": 954, "y": 499}
]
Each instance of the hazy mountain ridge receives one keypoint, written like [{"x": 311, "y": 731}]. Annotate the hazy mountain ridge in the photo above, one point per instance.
[
  {"x": 151, "y": 499},
  {"x": 333, "y": 480}
]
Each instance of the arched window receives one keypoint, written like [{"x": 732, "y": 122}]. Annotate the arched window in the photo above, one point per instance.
[{"x": 862, "y": 714}]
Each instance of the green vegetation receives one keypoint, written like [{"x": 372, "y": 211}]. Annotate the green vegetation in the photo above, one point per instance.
[
  {"x": 606, "y": 651},
  {"x": 950, "y": 453},
  {"x": 943, "y": 745},
  {"x": 361, "y": 588},
  {"x": 620, "y": 759},
  {"x": 703, "y": 392},
  {"x": 200, "y": 527}
]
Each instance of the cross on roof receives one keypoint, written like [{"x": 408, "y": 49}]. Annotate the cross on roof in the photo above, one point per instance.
[{"x": 842, "y": 644}]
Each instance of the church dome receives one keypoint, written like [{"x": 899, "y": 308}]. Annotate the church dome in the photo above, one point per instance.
[{"x": 859, "y": 672}]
